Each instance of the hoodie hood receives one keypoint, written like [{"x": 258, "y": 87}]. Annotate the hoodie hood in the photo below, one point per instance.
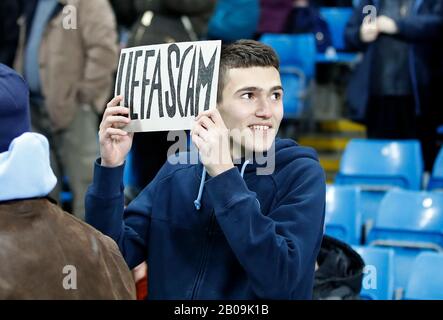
[{"x": 25, "y": 170}]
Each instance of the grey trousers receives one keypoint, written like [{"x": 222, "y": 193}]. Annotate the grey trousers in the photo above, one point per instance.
[{"x": 73, "y": 150}]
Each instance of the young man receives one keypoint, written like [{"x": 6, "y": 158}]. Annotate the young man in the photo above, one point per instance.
[{"x": 230, "y": 233}]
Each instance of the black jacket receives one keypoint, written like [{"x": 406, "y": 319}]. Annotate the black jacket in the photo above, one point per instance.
[
  {"x": 340, "y": 272},
  {"x": 9, "y": 30},
  {"x": 129, "y": 12}
]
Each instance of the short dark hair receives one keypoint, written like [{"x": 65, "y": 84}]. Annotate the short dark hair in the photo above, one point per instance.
[{"x": 244, "y": 54}]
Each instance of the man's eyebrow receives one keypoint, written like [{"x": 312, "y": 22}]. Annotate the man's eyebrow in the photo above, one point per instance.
[
  {"x": 277, "y": 88},
  {"x": 248, "y": 89}
]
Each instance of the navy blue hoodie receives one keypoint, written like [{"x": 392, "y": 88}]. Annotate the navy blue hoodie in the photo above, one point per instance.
[{"x": 254, "y": 237}]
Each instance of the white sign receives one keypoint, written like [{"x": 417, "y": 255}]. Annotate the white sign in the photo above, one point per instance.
[{"x": 166, "y": 86}]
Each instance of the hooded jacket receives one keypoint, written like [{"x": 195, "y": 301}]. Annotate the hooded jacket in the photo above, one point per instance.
[{"x": 250, "y": 237}]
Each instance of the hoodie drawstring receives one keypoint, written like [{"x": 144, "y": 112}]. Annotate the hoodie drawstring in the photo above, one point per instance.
[{"x": 197, "y": 202}]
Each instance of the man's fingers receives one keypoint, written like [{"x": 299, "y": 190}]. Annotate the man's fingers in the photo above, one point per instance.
[
  {"x": 110, "y": 111},
  {"x": 214, "y": 115},
  {"x": 115, "y": 101},
  {"x": 113, "y": 121},
  {"x": 200, "y": 132},
  {"x": 112, "y": 132},
  {"x": 206, "y": 122}
]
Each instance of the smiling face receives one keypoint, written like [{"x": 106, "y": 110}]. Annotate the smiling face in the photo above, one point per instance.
[{"x": 251, "y": 106}]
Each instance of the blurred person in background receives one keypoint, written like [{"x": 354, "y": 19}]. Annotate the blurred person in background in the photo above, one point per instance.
[
  {"x": 395, "y": 90},
  {"x": 305, "y": 18},
  {"x": 67, "y": 54},
  {"x": 273, "y": 16},
  {"x": 45, "y": 252},
  {"x": 9, "y": 14}
]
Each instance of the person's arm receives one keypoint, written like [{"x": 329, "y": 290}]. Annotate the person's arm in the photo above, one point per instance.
[
  {"x": 98, "y": 27},
  {"x": 279, "y": 249},
  {"x": 105, "y": 211},
  {"x": 417, "y": 28},
  {"x": 353, "y": 38},
  {"x": 104, "y": 202}
]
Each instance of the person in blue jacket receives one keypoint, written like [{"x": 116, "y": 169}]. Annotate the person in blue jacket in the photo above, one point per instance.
[
  {"x": 218, "y": 229},
  {"x": 396, "y": 90}
]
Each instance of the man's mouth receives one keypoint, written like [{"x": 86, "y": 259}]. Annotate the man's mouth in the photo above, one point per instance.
[{"x": 261, "y": 127}]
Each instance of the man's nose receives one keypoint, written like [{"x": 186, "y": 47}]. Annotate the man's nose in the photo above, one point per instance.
[{"x": 264, "y": 109}]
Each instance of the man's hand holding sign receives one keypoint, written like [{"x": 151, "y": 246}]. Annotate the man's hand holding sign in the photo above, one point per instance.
[
  {"x": 211, "y": 138},
  {"x": 115, "y": 143}
]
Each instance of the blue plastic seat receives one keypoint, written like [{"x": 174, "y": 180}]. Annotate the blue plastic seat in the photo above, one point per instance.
[
  {"x": 294, "y": 50},
  {"x": 436, "y": 180},
  {"x": 378, "y": 280},
  {"x": 377, "y": 166},
  {"x": 337, "y": 18},
  {"x": 426, "y": 280},
  {"x": 342, "y": 220},
  {"x": 410, "y": 222},
  {"x": 294, "y": 92},
  {"x": 297, "y": 54},
  {"x": 382, "y": 164}
]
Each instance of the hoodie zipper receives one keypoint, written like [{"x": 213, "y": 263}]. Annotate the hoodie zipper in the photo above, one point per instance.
[{"x": 204, "y": 258}]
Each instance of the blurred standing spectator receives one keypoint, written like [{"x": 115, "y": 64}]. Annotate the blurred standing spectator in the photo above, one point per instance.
[
  {"x": 68, "y": 53},
  {"x": 9, "y": 14},
  {"x": 396, "y": 89},
  {"x": 154, "y": 22},
  {"x": 274, "y": 15},
  {"x": 305, "y": 18}
]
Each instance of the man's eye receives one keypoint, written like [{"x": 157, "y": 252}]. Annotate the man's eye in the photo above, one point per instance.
[
  {"x": 248, "y": 95},
  {"x": 276, "y": 96}
]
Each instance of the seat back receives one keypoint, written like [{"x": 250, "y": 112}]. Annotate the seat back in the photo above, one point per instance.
[
  {"x": 436, "y": 180},
  {"x": 378, "y": 281},
  {"x": 410, "y": 222},
  {"x": 426, "y": 280},
  {"x": 382, "y": 164},
  {"x": 337, "y": 18},
  {"x": 342, "y": 220},
  {"x": 294, "y": 50}
]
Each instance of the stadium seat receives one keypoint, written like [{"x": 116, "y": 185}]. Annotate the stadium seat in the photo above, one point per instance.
[
  {"x": 378, "y": 281},
  {"x": 342, "y": 219},
  {"x": 382, "y": 163},
  {"x": 436, "y": 180},
  {"x": 293, "y": 82},
  {"x": 294, "y": 50},
  {"x": 409, "y": 222},
  {"x": 377, "y": 166},
  {"x": 426, "y": 280},
  {"x": 297, "y": 54},
  {"x": 337, "y": 18}
]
